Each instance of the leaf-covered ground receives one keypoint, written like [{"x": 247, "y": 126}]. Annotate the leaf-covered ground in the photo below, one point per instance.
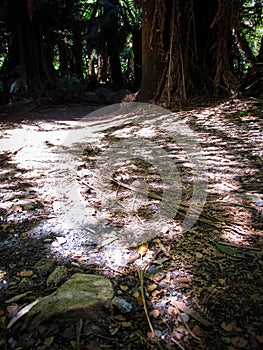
[{"x": 188, "y": 289}]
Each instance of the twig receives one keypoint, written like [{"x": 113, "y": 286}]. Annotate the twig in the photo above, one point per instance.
[
  {"x": 184, "y": 323},
  {"x": 140, "y": 274},
  {"x": 177, "y": 343},
  {"x": 78, "y": 333}
]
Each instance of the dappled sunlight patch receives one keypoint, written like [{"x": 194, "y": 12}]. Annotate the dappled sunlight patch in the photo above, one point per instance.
[{"x": 105, "y": 210}]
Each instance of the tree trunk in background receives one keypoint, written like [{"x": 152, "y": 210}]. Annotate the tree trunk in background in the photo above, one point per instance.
[
  {"x": 33, "y": 64},
  {"x": 112, "y": 39},
  {"x": 186, "y": 49},
  {"x": 77, "y": 53},
  {"x": 63, "y": 56},
  {"x": 152, "y": 55},
  {"x": 103, "y": 66},
  {"x": 137, "y": 53}
]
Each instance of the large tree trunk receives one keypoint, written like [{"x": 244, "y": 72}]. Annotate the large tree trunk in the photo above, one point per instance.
[
  {"x": 152, "y": 55},
  {"x": 34, "y": 68},
  {"x": 186, "y": 49}
]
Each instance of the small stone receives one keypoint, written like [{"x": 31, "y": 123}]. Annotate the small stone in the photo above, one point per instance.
[
  {"x": 57, "y": 276},
  {"x": 153, "y": 270},
  {"x": 122, "y": 305},
  {"x": 183, "y": 316},
  {"x": 61, "y": 240}
]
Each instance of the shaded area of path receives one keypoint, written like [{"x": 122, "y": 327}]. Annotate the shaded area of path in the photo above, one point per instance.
[{"x": 191, "y": 268}]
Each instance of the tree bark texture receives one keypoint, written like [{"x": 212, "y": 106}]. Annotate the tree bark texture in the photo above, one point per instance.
[
  {"x": 33, "y": 64},
  {"x": 185, "y": 49}
]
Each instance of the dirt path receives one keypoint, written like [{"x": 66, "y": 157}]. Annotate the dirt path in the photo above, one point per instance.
[{"x": 86, "y": 192}]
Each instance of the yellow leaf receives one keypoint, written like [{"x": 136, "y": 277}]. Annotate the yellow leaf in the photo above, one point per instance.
[
  {"x": 4, "y": 226},
  {"x": 142, "y": 250},
  {"x": 228, "y": 327},
  {"x": 199, "y": 255},
  {"x": 126, "y": 324},
  {"x": 136, "y": 294},
  {"x": 222, "y": 281},
  {"x": 152, "y": 287},
  {"x": 25, "y": 273},
  {"x": 124, "y": 287}
]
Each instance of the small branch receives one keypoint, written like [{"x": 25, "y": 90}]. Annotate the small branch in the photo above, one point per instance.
[{"x": 140, "y": 274}]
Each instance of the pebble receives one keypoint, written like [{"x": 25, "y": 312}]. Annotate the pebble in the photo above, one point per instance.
[
  {"x": 184, "y": 316},
  {"x": 122, "y": 304}
]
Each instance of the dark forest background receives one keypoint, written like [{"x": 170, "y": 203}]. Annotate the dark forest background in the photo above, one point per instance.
[{"x": 168, "y": 51}]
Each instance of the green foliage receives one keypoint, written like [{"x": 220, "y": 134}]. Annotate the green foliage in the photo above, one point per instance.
[{"x": 252, "y": 23}]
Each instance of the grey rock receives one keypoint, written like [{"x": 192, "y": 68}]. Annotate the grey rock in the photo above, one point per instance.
[{"x": 82, "y": 296}]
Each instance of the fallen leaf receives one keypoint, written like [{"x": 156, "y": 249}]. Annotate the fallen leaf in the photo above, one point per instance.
[
  {"x": 228, "y": 327},
  {"x": 124, "y": 287},
  {"x": 106, "y": 242},
  {"x": 25, "y": 273},
  {"x": 155, "y": 313},
  {"x": 2, "y": 322},
  {"x": 199, "y": 255},
  {"x": 221, "y": 281},
  {"x": 4, "y": 226},
  {"x": 182, "y": 279},
  {"x": 119, "y": 318},
  {"x": 49, "y": 341},
  {"x": 2, "y": 274},
  {"x": 12, "y": 310},
  {"x": 162, "y": 247},
  {"x": 136, "y": 294},
  {"x": 189, "y": 311},
  {"x": 16, "y": 298},
  {"x": 197, "y": 330},
  {"x": 239, "y": 342},
  {"x": 171, "y": 311},
  {"x": 167, "y": 278},
  {"x": 234, "y": 251},
  {"x": 152, "y": 287},
  {"x": 21, "y": 313}
]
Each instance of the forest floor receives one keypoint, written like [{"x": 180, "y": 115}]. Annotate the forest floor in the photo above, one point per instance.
[{"x": 168, "y": 206}]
